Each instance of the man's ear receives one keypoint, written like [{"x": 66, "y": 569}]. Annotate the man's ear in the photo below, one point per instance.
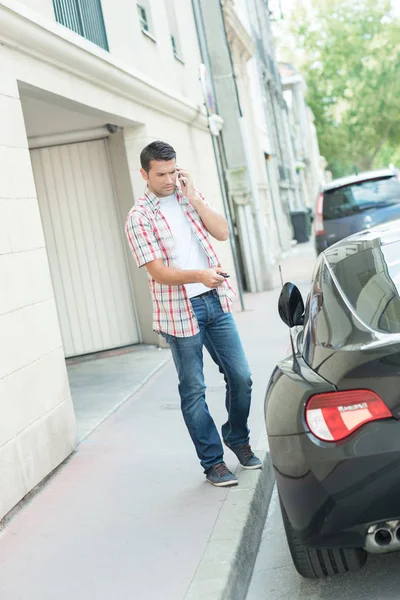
[{"x": 144, "y": 174}]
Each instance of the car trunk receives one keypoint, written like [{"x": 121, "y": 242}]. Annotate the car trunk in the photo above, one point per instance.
[{"x": 378, "y": 371}]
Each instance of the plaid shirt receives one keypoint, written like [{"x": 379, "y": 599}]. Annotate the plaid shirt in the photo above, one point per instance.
[{"x": 150, "y": 238}]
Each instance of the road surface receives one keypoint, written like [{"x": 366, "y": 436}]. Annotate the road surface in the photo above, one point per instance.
[{"x": 275, "y": 578}]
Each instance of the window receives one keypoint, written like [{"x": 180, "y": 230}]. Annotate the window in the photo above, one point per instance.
[
  {"x": 144, "y": 22},
  {"x": 370, "y": 279},
  {"x": 85, "y": 17},
  {"x": 174, "y": 45},
  {"x": 173, "y": 28},
  {"x": 357, "y": 197}
]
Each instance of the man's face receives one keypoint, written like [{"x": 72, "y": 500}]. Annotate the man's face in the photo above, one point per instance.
[{"x": 161, "y": 177}]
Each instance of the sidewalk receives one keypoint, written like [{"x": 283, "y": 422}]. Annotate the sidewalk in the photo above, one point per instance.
[
  {"x": 99, "y": 386},
  {"x": 130, "y": 515}
]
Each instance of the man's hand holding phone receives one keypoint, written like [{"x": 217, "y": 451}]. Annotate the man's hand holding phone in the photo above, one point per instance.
[
  {"x": 186, "y": 183},
  {"x": 213, "y": 278}
]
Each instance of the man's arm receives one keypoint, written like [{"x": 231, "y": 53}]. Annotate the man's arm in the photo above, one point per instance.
[
  {"x": 216, "y": 224},
  {"x": 171, "y": 276}
]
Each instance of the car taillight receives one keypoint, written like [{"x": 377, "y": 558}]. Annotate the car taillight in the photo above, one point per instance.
[
  {"x": 319, "y": 218},
  {"x": 334, "y": 416}
]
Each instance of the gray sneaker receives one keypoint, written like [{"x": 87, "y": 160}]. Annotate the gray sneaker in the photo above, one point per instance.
[
  {"x": 246, "y": 456},
  {"x": 221, "y": 476}
]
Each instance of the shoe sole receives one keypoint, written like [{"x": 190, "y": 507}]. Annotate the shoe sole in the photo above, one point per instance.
[{"x": 224, "y": 484}]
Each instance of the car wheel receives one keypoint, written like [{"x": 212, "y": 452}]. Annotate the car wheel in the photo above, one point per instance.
[{"x": 314, "y": 563}]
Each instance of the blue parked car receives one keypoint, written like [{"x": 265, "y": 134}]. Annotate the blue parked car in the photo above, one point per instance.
[{"x": 351, "y": 204}]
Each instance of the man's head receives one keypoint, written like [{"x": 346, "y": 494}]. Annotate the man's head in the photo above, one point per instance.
[{"x": 158, "y": 161}]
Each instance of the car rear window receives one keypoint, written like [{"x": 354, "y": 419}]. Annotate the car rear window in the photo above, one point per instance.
[
  {"x": 370, "y": 280},
  {"x": 357, "y": 197}
]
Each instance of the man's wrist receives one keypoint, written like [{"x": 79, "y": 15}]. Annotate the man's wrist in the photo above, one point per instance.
[
  {"x": 197, "y": 204},
  {"x": 199, "y": 276},
  {"x": 194, "y": 199}
]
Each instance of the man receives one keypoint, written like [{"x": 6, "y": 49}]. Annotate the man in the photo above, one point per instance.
[{"x": 168, "y": 231}]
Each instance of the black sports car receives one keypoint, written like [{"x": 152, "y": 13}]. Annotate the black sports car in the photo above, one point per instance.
[{"x": 332, "y": 409}]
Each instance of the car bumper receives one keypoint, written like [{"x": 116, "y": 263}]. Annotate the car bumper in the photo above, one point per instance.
[{"x": 333, "y": 493}]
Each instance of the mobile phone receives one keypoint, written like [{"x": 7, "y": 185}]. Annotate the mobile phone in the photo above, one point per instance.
[
  {"x": 225, "y": 275},
  {"x": 180, "y": 177}
]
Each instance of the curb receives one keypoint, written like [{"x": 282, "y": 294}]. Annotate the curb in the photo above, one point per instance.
[{"x": 225, "y": 570}]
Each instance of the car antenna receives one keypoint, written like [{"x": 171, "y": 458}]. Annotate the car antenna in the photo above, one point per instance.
[{"x": 281, "y": 274}]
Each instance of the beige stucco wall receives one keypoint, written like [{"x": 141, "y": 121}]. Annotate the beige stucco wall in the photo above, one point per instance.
[{"x": 37, "y": 427}]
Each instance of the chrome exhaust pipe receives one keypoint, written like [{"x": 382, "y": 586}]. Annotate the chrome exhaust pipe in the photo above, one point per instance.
[{"x": 383, "y": 537}]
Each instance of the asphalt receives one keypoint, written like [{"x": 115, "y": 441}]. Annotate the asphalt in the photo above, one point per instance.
[
  {"x": 275, "y": 578},
  {"x": 130, "y": 514}
]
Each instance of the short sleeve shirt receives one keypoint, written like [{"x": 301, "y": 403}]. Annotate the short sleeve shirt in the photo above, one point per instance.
[{"x": 150, "y": 238}]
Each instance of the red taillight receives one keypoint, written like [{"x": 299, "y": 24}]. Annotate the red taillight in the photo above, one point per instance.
[
  {"x": 334, "y": 416},
  {"x": 319, "y": 218}
]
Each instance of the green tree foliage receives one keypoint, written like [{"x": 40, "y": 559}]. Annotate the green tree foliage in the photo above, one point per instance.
[{"x": 350, "y": 56}]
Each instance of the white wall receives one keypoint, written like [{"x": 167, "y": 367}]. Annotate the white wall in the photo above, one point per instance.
[
  {"x": 130, "y": 46},
  {"x": 43, "y": 7},
  {"x": 37, "y": 427}
]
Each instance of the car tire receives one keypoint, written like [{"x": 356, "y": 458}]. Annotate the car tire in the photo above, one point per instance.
[{"x": 313, "y": 563}]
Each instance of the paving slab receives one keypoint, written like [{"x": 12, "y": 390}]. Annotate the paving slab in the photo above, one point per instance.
[{"x": 99, "y": 385}]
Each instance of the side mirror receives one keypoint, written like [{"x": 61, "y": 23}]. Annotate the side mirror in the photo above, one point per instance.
[{"x": 291, "y": 305}]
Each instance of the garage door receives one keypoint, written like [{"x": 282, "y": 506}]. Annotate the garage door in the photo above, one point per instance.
[{"x": 85, "y": 247}]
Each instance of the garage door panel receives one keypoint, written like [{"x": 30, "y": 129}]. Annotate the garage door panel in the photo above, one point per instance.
[
  {"x": 100, "y": 219},
  {"x": 60, "y": 195},
  {"x": 120, "y": 284},
  {"x": 45, "y": 186},
  {"x": 71, "y": 240},
  {"x": 88, "y": 297},
  {"x": 110, "y": 259},
  {"x": 85, "y": 247},
  {"x": 81, "y": 197}
]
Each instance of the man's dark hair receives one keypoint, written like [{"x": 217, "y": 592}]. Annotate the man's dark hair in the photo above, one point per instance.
[{"x": 156, "y": 151}]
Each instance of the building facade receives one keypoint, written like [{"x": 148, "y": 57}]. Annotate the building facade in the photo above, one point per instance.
[
  {"x": 272, "y": 210},
  {"x": 256, "y": 143},
  {"x": 309, "y": 163},
  {"x": 278, "y": 181},
  {"x": 83, "y": 88},
  {"x": 275, "y": 108}
]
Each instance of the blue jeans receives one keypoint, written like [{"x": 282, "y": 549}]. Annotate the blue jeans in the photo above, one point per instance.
[{"x": 218, "y": 333}]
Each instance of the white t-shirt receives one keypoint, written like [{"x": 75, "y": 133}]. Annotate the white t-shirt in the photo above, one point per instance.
[{"x": 190, "y": 253}]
